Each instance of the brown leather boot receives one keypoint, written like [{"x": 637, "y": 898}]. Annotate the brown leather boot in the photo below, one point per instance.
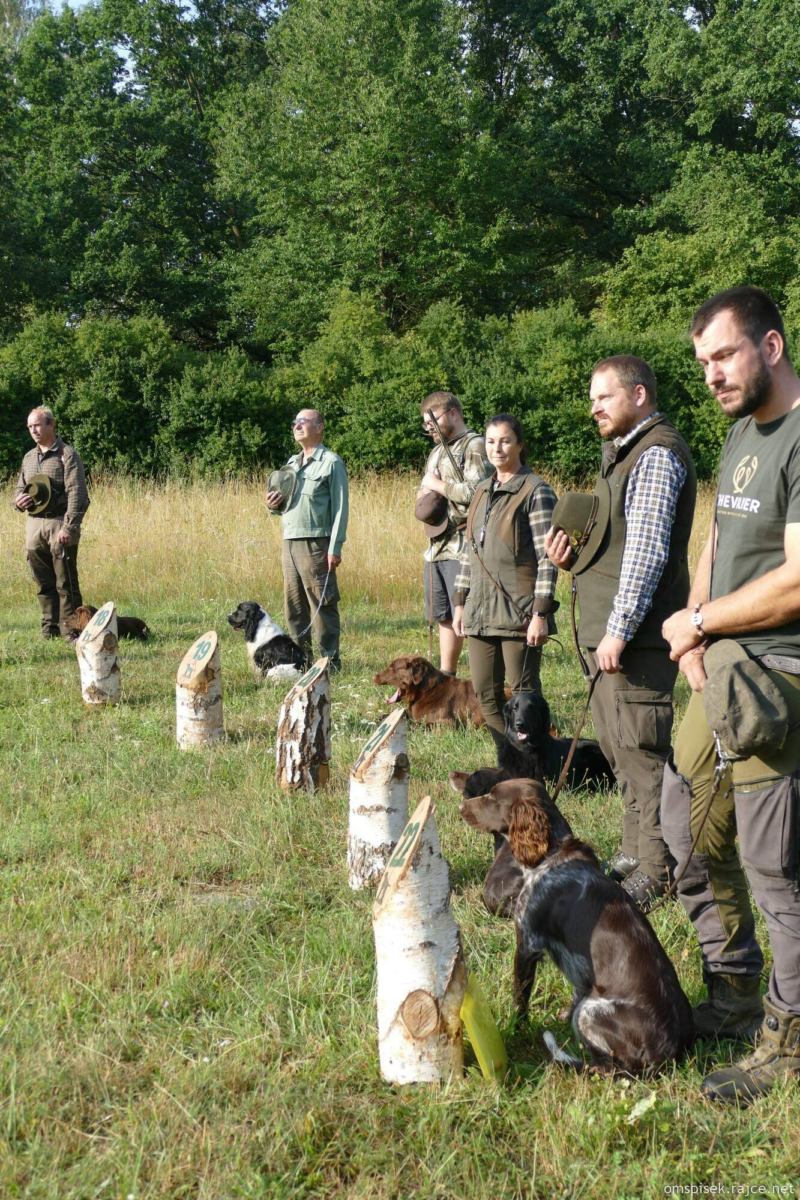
[
  {"x": 776, "y": 1056},
  {"x": 733, "y": 1008}
]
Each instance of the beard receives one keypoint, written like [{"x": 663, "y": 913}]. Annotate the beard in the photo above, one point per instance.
[{"x": 752, "y": 395}]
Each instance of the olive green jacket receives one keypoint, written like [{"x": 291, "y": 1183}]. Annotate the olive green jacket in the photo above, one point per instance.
[{"x": 509, "y": 541}]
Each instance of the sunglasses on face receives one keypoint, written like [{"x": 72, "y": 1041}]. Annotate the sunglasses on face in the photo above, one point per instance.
[{"x": 303, "y": 421}]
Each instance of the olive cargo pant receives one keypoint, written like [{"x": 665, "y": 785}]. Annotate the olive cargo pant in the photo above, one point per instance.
[
  {"x": 55, "y": 572},
  {"x": 759, "y": 799},
  {"x": 305, "y": 565},
  {"x": 632, "y": 713},
  {"x": 491, "y": 659}
]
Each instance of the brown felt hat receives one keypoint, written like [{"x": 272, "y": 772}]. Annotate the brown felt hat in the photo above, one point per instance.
[
  {"x": 38, "y": 488},
  {"x": 583, "y": 516},
  {"x": 742, "y": 702}
]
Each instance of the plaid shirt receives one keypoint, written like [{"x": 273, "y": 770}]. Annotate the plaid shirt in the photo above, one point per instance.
[
  {"x": 451, "y": 544},
  {"x": 61, "y": 464},
  {"x": 540, "y": 518},
  {"x": 651, "y": 499}
]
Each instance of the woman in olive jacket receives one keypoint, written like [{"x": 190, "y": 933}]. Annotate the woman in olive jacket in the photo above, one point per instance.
[{"x": 504, "y": 592}]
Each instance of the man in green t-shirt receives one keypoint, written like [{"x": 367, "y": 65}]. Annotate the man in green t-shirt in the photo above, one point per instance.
[{"x": 747, "y": 588}]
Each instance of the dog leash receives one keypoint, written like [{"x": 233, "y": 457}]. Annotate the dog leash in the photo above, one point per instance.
[
  {"x": 578, "y": 731},
  {"x": 723, "y": 762},
  {"x": 319, "y": 606}
]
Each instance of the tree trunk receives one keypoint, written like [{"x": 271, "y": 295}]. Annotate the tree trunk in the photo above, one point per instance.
[
  {"x": 303, "y": 749},
  {"x": 421, "y": 973},
  {"x": 97, "y": 657},
  {"x": 378, "y": 801},
  {"x": 198, "y": 694}
]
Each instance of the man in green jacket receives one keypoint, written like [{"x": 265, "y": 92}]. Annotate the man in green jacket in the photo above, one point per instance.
[{"x": 314, "y": 531}]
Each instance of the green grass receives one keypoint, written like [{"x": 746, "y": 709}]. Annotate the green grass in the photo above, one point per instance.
[{"x": 187, "y": 1001}]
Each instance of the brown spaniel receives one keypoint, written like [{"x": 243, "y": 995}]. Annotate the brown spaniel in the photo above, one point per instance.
[
  {"x": 628, "y": 1008},
  {"x": 127, "y": 627},
  {"x": 428, "y": 695}
]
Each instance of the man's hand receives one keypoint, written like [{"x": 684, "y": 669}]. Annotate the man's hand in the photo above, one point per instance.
[
  {"x": 64, "y": 537},
  {"x": 681, "y": 634},
  {"x": 24, "y": 501},
  {"x": 333, "y": 561},
  {"x": 693, "y": 667},
  {"x": 458, "y": 620},
  {"x": 558, "y": 549},
  {"x": 609, "y": 652},
  {"x": 537, "y": 631},
  {"x": 274, "y": 499},
  {"x": 433, "y": 483}
]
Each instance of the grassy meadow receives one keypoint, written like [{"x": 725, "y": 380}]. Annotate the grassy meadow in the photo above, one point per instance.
[{"x": 187, "y": 999}]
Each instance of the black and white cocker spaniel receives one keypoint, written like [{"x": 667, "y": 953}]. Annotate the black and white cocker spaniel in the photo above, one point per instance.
[{"x": 272, "y": 652}]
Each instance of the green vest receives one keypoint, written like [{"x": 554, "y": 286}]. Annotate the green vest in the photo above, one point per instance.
[
  {"x": 599, "y": 583},
  {"x": 508, "y": 553}
]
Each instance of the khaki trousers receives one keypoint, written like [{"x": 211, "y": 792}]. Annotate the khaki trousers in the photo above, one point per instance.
[
  {"x": 305, "y": 565},
  {"x": 492, "y": 660},
  {"x": 758, "y": 801},
  {"x": 632, "y": 713},
  {"x": 55, "y": 572}
]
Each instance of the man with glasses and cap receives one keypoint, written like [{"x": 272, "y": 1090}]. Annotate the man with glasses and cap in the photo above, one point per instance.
[
  {"x": 310, "y": 495},
  {"x": 51, "y": 490}
]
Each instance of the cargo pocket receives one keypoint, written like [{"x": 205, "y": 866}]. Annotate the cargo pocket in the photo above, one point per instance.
[
  {"x": 644, "y": 720},
  {"x": 768, "y": 827}
]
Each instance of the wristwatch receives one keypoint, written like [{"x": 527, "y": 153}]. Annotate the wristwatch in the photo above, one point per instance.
[{"x": 697, "y": 619}]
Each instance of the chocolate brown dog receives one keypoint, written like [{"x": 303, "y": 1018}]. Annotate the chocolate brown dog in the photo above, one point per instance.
[
  {"x": 430, "y": 696},
  {"x": 127, "y": 627},
  {"x": 628, "y": 1008}
]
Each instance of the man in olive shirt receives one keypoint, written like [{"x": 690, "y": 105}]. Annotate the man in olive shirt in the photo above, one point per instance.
[
  {"x": 314, "y": 531},
  {"x": 747, "y": 589},
  {"x": 51, "y": 536}
]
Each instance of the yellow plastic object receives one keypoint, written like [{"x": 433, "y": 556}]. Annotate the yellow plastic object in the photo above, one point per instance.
[{"x": 482, "y": 1032}]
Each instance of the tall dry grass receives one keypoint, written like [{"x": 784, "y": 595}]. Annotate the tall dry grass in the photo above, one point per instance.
[{"x": 148, "y": 543}]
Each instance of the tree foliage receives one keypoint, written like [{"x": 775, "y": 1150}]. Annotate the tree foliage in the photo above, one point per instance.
[{"x": 216, "y": 212}]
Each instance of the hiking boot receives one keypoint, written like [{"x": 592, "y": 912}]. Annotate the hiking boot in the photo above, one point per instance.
[
  {"x": 621, "y": 866},
  {"x": 645, "y": 890},
  {"x": 776, "y": 1056},
  {"x": 733, "y": 1007}
]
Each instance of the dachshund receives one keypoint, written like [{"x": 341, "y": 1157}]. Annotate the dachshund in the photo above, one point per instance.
[
  {"x": 127, "y": 627},
  {"x": 628, "y": 1009}
]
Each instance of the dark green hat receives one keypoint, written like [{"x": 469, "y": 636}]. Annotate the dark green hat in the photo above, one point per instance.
[
  {"x": 285, "y": 482},
  {"x": 743, "y": 705},
  {"x": 38, "y": 488},
  {"x": 583, "y": 516}
]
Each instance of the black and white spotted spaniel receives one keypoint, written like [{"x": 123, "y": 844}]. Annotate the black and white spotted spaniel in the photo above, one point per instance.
[{"x": 272, "y": 652}]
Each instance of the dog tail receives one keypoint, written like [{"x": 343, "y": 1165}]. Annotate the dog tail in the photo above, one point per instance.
[{"x": 561, "y": 1056}]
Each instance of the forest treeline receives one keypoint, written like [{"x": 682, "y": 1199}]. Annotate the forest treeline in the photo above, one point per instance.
[{"x": 215, "y": 213}]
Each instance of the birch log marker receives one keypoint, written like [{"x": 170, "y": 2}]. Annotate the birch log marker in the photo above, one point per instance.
[
  {"x": 303, "y": 749},
  {"x": 421, "y": 973},
  {"x": 198, "y": 694},
  {"x": 97, "y": 657},
  {"x": 378, "y": 801}
]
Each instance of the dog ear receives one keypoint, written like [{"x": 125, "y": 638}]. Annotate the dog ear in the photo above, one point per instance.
[
  {"x": 458, "y": 781},
  {"x": 418, "y": 670},
  {"x": 529, "y": 832}
]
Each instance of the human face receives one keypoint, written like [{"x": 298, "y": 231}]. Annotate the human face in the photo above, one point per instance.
[
  {"x": 444, "y": 418},
  {"x": 41, "y": 428},
  {"x": 735, "y": 369},
  {"x": 615, "y": 408},
  {"x": 307, "y": 429},
  {"x": 503, "y": 449}
]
